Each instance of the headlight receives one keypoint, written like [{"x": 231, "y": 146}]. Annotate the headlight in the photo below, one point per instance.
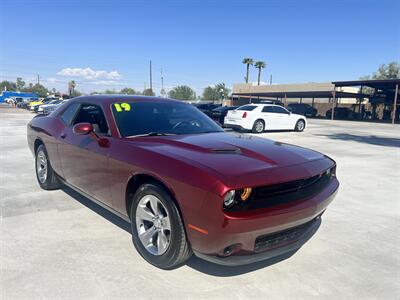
[
  {"x": 229, "y": 198},
  {"x": 237, "y": 196}
]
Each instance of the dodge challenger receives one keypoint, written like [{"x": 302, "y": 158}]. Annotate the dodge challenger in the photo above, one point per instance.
[{"x": 186, "y": 186}]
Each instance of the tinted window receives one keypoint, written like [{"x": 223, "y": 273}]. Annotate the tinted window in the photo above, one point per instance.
[
  {"x": 140, "y": 118},
  {"x": 280, "y": 110},
  {"x": 69, "y": 113},
  {"x": 89, "y": 113},
  {"x": 268, "y": 109},
  {"x": 247, "y": 107}
]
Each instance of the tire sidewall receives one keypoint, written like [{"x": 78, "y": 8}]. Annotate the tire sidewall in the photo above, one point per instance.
[
  {"x": 45, "y": 184},
  {"x": 255, "y": 126},
  {"x": 297, "y": 126},
  {"x": 168, "y": 259}
]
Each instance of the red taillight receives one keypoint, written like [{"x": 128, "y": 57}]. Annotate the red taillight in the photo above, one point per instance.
[{"x": 244, "y": 115}]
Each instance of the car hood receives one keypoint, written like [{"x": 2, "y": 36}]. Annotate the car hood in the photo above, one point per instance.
[{"x": 234, "y": 156}]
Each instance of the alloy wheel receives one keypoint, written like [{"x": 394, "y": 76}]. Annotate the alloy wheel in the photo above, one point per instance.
[
  {"x": 153, "y": 225},
  {"x": 41, "y": 166}
]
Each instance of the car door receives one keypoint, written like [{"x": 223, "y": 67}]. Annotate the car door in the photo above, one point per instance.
[
  {"x": 270, "y": 117},
  {"x": 84, "y": 161},
  {"x": 283, "y": 119}
]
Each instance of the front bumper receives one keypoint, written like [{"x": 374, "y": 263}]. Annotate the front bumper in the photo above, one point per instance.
[
  {"x": 242, "y": 231},
  {"x": 281, "y": 243}
]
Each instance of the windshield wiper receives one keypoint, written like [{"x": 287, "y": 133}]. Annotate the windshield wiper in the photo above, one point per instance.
[{"x": 151, "y": 134}]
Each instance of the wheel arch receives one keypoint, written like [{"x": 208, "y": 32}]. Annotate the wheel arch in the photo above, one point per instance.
[
  {"x": 136, "y": 180},
  {"x": 36, "y": 144}
]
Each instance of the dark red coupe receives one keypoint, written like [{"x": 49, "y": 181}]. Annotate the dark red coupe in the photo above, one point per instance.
[{"x": 184, "y": 184}]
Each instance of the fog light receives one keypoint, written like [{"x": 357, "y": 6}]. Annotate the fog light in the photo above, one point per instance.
[{"x": 229, "y": 198}]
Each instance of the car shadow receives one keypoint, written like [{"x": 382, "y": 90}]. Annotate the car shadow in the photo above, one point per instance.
[
  {"x": 106, "y": 214},
  {"x": 371, "y": 139},
  {"x": 194, "y": 262}
]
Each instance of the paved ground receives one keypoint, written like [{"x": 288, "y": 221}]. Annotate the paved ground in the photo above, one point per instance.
[{"x": 59, "y": 245}]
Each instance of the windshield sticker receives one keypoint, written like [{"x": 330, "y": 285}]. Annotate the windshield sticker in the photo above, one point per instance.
[{"x": 121, "y": 107}]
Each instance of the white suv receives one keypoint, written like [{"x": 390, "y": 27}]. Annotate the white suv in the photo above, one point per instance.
[{"x": 260, "y": 117}]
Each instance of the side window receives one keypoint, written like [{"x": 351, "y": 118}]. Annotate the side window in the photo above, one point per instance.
[
  {"x": 268, "y": 109},
  {"x": 69, "y": 113},
  {"x": 280, "y": 110},
  {"x": 93, "y": 114}
]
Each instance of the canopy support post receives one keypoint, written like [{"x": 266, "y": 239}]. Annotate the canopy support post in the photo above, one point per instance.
[
  {"x": 333, "y": 102},
  {"x": 395, "y": 104}
]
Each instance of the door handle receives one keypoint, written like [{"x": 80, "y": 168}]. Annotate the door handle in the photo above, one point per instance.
[{"x": 63, "y": 135}]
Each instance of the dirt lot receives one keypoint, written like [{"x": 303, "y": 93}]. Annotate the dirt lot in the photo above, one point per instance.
[{"x": 60, "y": 245}]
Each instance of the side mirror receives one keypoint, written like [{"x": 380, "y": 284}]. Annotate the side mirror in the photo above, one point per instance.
[{"x": 83, "y": 128}]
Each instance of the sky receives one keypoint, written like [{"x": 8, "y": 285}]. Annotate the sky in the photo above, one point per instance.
[{"x": 108, "y": 44}]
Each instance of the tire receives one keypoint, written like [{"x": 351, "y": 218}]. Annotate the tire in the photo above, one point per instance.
[
  {"x": 300, "y": 125},
  {"x": 258, "y": 126},
  {"x": 167, "y": 246},
  {"x": 45, "y": 175}
]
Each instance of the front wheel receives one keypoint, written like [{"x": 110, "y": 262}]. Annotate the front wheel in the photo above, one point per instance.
[
  {"x": 45, "y": 175},
  {"x": 158, "y": 232},
  {"x": 300, "y": 125}
]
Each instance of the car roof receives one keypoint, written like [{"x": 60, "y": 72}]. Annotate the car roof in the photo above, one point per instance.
[
  {"x": 108, "y": 99},
  {"x": 262, "y": 104}
]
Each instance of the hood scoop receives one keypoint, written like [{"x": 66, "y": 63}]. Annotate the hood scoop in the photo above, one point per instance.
[{"x": 226, "y": 150}]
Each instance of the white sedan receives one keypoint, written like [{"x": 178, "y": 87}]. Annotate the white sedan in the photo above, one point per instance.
[{"x": 260, "y": 117}]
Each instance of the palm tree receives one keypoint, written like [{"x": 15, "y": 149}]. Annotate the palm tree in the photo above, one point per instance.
[
  {"x": 71, "y": 87},
  {"x": 259, "y": 65},
  {"x": 247, "y": 61}
]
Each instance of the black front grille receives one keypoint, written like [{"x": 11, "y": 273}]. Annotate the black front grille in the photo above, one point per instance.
[
  {"x": 277, "y": 194},
  {"x": 270, "y": 241}
]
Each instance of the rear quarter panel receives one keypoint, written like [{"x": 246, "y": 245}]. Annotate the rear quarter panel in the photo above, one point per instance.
[{"x": 46, "y": 129}]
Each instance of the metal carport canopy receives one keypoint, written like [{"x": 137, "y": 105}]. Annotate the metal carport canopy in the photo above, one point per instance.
[{"x": 389, "y": 85}]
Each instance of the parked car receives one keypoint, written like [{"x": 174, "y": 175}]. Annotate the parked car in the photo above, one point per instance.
[
  {"x": 40, "y": 108},
  {"x": 302, "y": 109},
  {"x": 25, "y": 101},
  {"x": 207, "y": 107},
  {"x": 260, "y": 117},
  {"x": 218, "y": 114},
  {"x": 184, "y": 184},
  {"x": 49, "y": 108},
  {"x": 343, "y": 113}
]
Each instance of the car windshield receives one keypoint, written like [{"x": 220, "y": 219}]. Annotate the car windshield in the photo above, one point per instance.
[{"x": 155, "y": 118}]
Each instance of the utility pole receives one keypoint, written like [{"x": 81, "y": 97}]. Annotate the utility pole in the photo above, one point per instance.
[
  {"x": 270, "y": 79},
  {"x": 151, "y": 79},
  {"x": 162, "y": 84},
  {"x": 38, "y": 79}
]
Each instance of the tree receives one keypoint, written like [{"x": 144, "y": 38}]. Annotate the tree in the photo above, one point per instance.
[
  {"x": 247, "y": 61},
  {"x": 38, "y": 89},
  {"x": 218, "y": 92},
  {"x": 389, "y": 71},
  {"x": 148, "y": 92},
  {"x": 71, "y": 87},
  {"x": 259, "y": 65},
  {"x": 128, "y": 91},
  {"x": 222, "y": 90},
  {"x": 182, "y": 92},
  {"x": 7, "y": 85},
  {"x": 210, "y": 93},
  {"x": 20, "y": 84}
]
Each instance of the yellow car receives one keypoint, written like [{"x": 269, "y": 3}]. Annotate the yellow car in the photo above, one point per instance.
[{"x": 33, "y": 103}]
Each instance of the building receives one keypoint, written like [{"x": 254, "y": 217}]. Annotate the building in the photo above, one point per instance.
[{"x": 381, "y": 102}]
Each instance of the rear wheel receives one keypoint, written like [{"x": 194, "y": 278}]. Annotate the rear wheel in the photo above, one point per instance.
[
  {"x": 300, "y": 125},
  {"x": 158, "y": 232},
  {"x": 45, "y": 175},
  {"x": 258, "y": 126}
]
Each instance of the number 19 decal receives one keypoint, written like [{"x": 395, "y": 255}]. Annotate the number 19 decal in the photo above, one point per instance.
[{"x": 120, "y": 107}]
